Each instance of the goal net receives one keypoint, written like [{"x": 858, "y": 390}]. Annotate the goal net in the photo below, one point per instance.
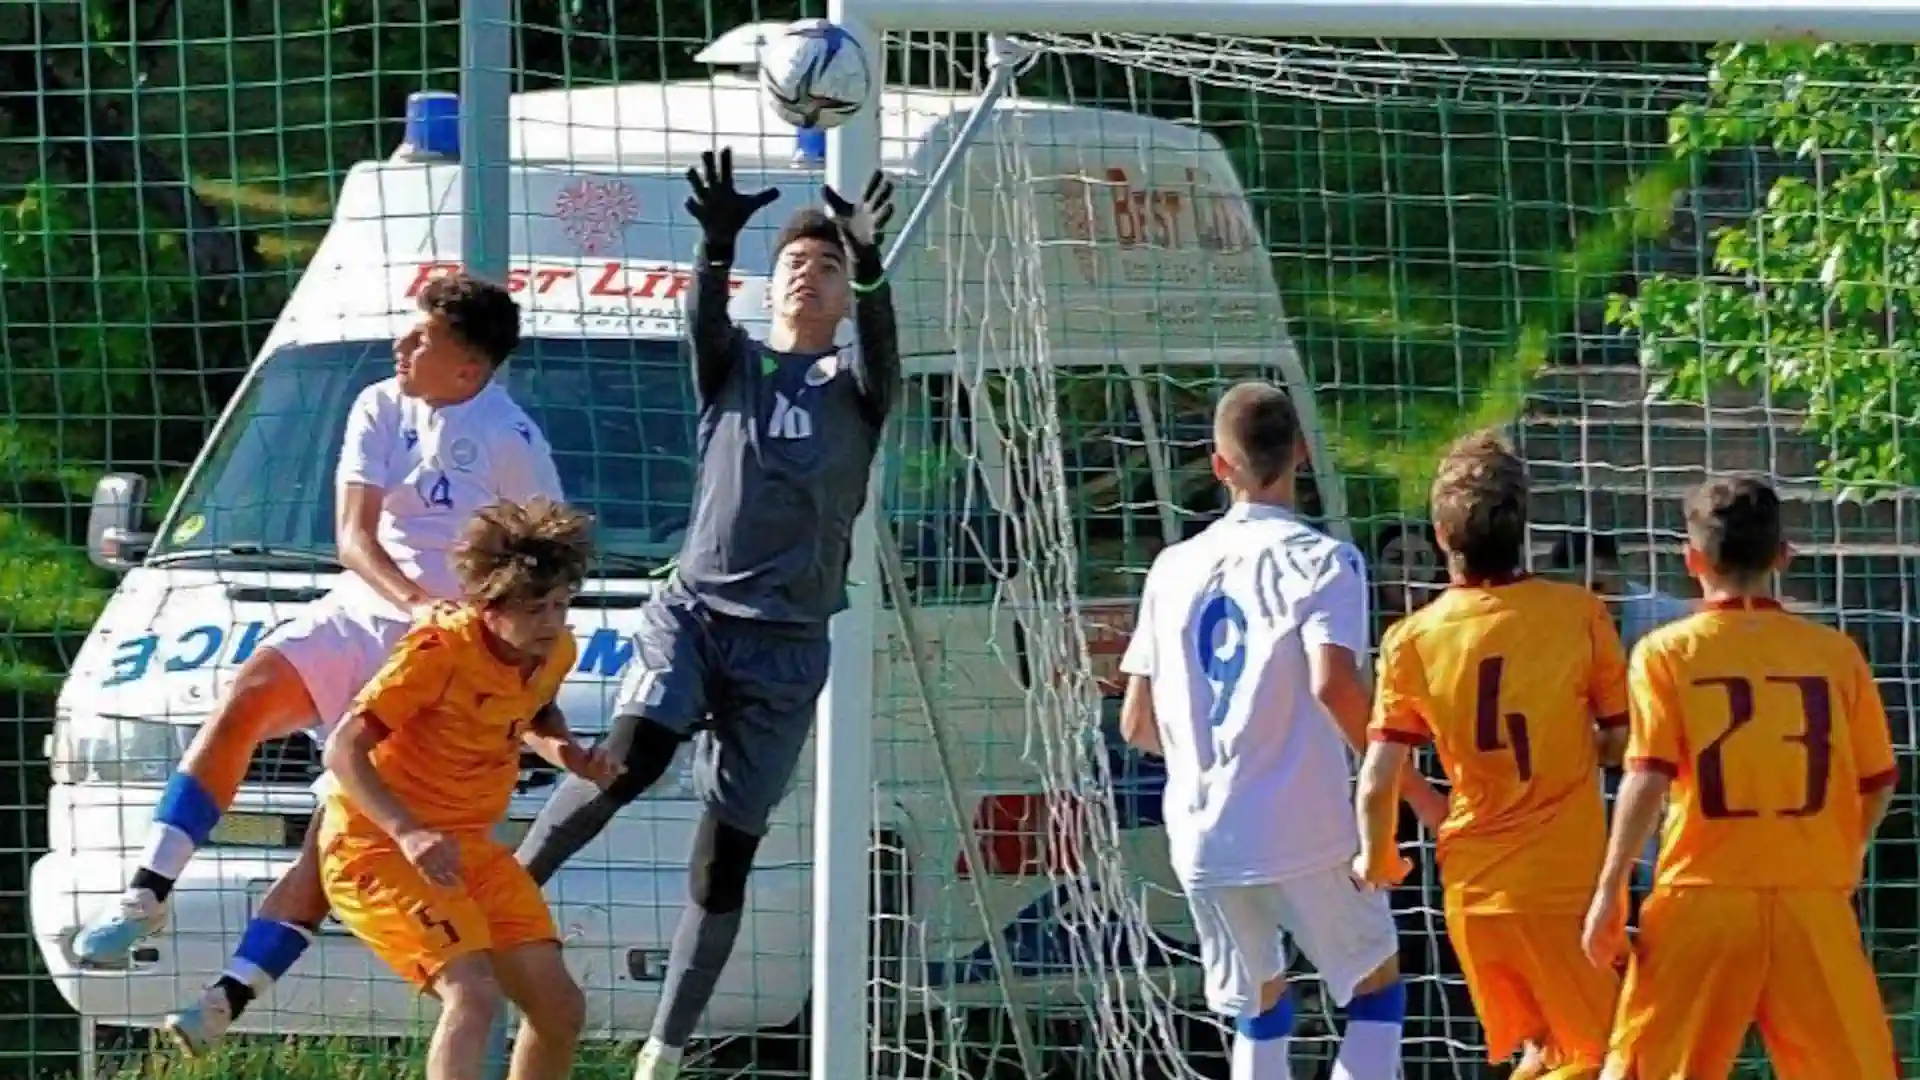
[
  {"x": 1648, "y": 264},
  {"x": 1578, "y": 243}
]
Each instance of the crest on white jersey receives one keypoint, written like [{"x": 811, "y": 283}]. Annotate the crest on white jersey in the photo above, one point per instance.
[
  {"x": 823, "y": 370},
  {"x": 463, "y": 453}
]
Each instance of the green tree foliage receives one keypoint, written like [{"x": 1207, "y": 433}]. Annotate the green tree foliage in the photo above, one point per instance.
[{"x": 1814, "y": 294}]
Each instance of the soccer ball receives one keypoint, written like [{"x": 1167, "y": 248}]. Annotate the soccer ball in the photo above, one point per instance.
[{"x": 815, "y": 74}]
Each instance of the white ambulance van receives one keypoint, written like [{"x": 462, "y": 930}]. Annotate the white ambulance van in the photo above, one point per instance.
[{"x": 1118, "y": 249}]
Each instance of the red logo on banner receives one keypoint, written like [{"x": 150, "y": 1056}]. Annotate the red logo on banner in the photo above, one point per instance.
[{"x": 593, "y": 213}]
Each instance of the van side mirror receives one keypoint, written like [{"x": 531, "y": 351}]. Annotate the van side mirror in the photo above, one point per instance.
[{"x": 114, "y": 541}]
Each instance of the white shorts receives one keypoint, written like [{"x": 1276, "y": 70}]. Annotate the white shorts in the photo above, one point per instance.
[
  {"x": 337, "y": 647},
  {"x": 1345, "y": 931}
]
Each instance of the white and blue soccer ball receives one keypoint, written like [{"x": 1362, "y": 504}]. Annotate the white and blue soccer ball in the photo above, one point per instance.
[{"x": 815, "y": 74}]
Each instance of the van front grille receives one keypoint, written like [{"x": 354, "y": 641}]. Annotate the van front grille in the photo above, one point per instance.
[{"x": 294, "y": 760}]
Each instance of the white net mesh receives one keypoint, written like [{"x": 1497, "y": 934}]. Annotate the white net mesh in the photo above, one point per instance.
[{"x": 1438, "y": 229}]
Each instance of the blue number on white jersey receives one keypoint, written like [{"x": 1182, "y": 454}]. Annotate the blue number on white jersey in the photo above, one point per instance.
[
  {"x": 1220, "y": 646},
  {"x": 439, "y": 493}
]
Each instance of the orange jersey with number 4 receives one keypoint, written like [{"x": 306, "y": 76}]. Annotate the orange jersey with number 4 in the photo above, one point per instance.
[
  {"x": 1509, "y": 681},
  {"x": 1771, "y": 727}
]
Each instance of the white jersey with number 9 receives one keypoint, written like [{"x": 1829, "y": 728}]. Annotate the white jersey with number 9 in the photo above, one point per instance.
[{"x": 1259, "y": 778}]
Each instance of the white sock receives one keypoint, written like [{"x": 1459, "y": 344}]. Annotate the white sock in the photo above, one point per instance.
[
  {"x": 1260, "y": 1059},
  {"x": 1370, "y": 1050},
  {"x": 168, "y": 851},
  {"x": 655, "y": 1053}
]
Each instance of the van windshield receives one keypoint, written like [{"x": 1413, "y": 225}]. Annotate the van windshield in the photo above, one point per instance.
[{"x": 618, "y": 412}]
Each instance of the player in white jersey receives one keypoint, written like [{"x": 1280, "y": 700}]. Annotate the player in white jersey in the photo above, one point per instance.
[
  {"x": 1245, "y": 674},
  {"x": 423, "y": 452}
]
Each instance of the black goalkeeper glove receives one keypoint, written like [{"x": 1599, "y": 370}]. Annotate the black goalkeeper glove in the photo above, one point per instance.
[
  {"x": 720, "y": 208},
  {"x": 862, "y": 225}
]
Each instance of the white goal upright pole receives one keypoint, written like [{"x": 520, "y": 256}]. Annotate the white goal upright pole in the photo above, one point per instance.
[
  {"x": 1591, "y": 20},
  {"x": 840, "y": 1046}
]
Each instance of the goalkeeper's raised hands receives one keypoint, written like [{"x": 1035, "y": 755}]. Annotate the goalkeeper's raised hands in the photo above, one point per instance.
[
  {"x": 722, "y": 209},
  {"x": 863, "y": 224}
]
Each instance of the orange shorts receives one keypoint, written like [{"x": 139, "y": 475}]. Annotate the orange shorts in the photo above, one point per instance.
[
  {"x": 417, "y": 928},
  {"x": 1531, "y": 982},
  {"x": 1712, "y": 962}
]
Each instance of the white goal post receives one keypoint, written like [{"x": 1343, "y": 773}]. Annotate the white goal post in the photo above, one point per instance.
[{"x": 844, "y": 781}]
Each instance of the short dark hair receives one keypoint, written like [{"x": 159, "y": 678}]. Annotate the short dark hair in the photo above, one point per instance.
[
  {"x": 512, "y": 553},
  {"x": 483, "y": 314},
  {"x": 1574, "y": 548},
  {"x": 810, "y": 223},
  {"x": 1479, "y": 499},
  {"x": 1256, "y": 427},
  {"x": 1735, "y": 522}
]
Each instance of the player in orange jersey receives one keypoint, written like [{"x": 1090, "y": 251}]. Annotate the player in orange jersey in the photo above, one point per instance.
[
  {"x": 1767, "y": 734},
  {"x": 1520, "y": 684},
  {"x": 426, "y": 763}
]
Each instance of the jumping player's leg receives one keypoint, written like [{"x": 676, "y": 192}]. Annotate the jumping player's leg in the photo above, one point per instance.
[
  {"x": 660, "y": 702},
  {"x": 763, "y": 708},
  {"x": 309, "y": 670},
  {"x": 1243, "y": 957},
  {"x": 1349, "y": 935},
  {"x": 1821, "y": 1015},
  {"x": 280, "y": 931}
]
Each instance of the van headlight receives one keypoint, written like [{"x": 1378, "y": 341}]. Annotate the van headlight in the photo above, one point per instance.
[{"x": 105, "y": 749}]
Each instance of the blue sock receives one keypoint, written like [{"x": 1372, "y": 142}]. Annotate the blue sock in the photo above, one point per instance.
[
  {"x": 186, "y": 806},
  {"x": 1370, "y": 1047},
  {"x": 268, "y": 949},
  {"x": 1261, "y": 1047},
  {"x": 181, "y": 824}
]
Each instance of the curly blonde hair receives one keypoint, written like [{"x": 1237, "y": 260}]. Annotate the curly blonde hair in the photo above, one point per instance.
[{"x": 513, "y": 553}]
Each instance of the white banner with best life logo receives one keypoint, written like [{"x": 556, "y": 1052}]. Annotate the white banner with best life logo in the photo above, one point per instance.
[{"x": 607, "y": 295}]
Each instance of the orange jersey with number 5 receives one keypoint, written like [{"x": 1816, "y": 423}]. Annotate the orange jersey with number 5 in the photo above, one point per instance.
[
  {"x": 1509, "y": 681},
  {"x": 1771, "y": 727}
]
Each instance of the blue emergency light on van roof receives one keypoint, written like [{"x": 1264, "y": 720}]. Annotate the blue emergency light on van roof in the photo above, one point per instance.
[
  {"x": 433, "y": 126},
  {"x": 809, "y": 146}
]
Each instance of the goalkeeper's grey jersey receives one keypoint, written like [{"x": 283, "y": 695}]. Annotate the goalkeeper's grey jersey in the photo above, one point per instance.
[{"x": 786, "y": 443}]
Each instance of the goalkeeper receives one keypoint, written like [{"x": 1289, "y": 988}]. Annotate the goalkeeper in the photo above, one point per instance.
[{"x": 733, "y": 650}]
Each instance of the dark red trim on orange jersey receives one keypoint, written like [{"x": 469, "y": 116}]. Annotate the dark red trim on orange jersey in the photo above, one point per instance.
[
  {"x": 1610, "y": 723},
  {"x": 1653, "y": 765},
  {"x": 1879, "y": 781},
  {"x": 1404, "y": 738},
  {"x": 1742, "y": 603},
  {"x": 1492, "y": 581}
]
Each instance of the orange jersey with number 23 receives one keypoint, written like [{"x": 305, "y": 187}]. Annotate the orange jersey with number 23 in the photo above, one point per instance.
[{"x": 1771, "y": 728}]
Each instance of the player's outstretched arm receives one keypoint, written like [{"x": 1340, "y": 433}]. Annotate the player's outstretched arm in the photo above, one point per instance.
[
  {"x": 550, "y": 737},
  {"x": 864, "y": 225},
  {"x": 722, "y": 211}
]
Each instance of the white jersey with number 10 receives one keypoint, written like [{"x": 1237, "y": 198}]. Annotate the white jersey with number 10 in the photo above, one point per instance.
[{"x": 1259, "y": 778}]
